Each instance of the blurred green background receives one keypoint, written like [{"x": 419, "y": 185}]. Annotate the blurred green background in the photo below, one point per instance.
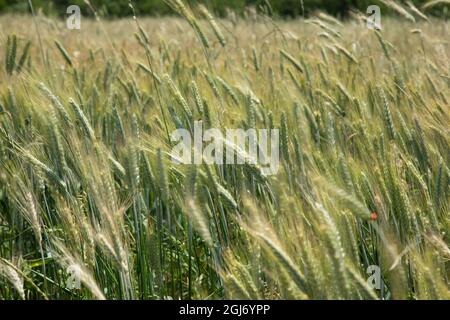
[{"x": 285, "y": 8}]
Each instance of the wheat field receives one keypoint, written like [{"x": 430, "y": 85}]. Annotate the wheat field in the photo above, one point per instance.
[{"x": 87, "y": 183}]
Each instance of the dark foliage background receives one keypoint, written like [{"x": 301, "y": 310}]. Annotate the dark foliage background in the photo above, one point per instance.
[{"x": 286, "y": 8}]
